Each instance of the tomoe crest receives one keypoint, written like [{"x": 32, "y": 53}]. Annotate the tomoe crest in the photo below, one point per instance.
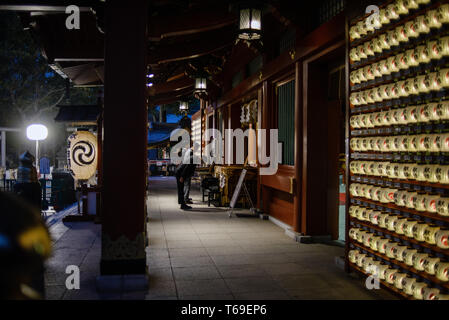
[{"x": 82, "y": 154}]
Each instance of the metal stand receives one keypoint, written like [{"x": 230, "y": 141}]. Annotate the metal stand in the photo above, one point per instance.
[{"x": 248, "y": 196}]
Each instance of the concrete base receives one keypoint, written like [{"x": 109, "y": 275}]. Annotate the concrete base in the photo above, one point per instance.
[
  {"x": 305, "y": 239},
  {"x": 121, "y": 283},
  {"x": 292, "y": 234}
]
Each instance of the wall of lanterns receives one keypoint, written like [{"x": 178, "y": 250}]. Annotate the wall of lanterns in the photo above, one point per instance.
[{"x": 399, "y": 147}]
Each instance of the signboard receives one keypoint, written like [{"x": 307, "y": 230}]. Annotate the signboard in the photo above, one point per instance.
[
  {"x": 82, "y": 154},
  {"x": 44, "y": 165},
  {"x": 238, "y": 187}
]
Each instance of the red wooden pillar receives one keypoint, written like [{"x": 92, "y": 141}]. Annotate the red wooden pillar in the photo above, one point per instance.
[
  {"x": 125, "y": 139},
  {"x": 298, "y": 149}
]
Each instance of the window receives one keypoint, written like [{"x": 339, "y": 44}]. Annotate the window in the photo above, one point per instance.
[{"x": 286, "y": 121}]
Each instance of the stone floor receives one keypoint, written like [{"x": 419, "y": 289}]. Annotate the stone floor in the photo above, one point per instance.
[{"x": 202, "y": 254}]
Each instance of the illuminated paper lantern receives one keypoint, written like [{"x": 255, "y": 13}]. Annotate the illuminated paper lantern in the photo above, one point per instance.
[
  {"x": 422, "y": 54},
  {"x": 361, "y": 52},
  {"x": 442, "y": 236},
  {"x": 392, "y": 38},
  {"x": 442, "y": 270},
  {"x": 443, "y": 13},
  {"x": 433, "y": 18},
  {"x": 410, "y": 30},
  {"x": 401, "y": 61},
  {"x": 443, "y": 78},
  {"x": 368, "y": 71},
  {"x": 401, "y": 33},
  {"x": 429, "y": 234},
  {"x": 392, "y": 66},
  {"x": 354, "y": 77},
  {"x": 392, "y": 12},
  {"x": 422, "y": 25},
  {"x": 361, "y": 25},
  {"x": 433, "y": 111},
  {"x": 411, "y": 4},
  {"x": 368, "y": 48},
  {"x": 383, "y": 42},
  {"x": 377, "y": 48},
  {"x": 418, "y": 173},
  {"x": 443, "y": 110},
  {"x": 402, "y": 7},
  {"x": 353, "y": 54},
  {"x": 434, "y": 50},
  {"x": 82, "y": 154},
  {"x": 377, "y": 70},
  {"x": 384, "y": 20},
  {"x": 442, "y": 174}
]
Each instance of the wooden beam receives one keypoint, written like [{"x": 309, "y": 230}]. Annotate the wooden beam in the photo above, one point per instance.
[
  {"x": 191, "y": 22},
  {"x": 171, "y": 86},
  {"x": 170, "y": 97},
  {"x": 205, "y": 44},
  {"x": 43, "y": 6}
]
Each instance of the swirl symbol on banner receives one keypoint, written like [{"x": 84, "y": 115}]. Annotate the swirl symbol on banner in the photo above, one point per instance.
[{"x": 83, "y": 153}]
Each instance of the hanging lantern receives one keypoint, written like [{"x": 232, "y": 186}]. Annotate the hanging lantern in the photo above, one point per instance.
[
  {"x": 183, "y": 106},
  {"x": 200, "y": 84},
  {"x": 82, "y": 154},
  {"x": 250, "y": 24}
]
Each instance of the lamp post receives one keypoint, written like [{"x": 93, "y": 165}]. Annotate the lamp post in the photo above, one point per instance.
[{"x": 37, "y": 132}]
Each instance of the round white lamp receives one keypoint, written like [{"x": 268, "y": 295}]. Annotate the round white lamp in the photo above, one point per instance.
[{"x": 37, "y": 132}]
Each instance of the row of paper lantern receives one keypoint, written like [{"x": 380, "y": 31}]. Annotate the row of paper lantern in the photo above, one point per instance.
[
  {"x": 402, "y": 281},
  {"x": 430, "y": 82},
  {"x": 433, "y": 173},
  {"x": 431, "y": 50},
  {"x": 422, "y": 202},
  {"x": 411, "y": 228},
  {"x": 402, "y": 253},
  {"x": 434, "y": 111},
  {"x": 385, "y": 16},
  {"x": 397, "y": 251},
  {"x": 414, "y": 143},
  {"x": 401, "y": 35}
]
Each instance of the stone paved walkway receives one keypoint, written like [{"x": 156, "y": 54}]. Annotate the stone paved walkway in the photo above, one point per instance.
[{"x": 202, "y": 254}]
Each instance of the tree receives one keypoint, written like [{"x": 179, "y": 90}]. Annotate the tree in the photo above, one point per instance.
[{"x": 29, "y": 89}]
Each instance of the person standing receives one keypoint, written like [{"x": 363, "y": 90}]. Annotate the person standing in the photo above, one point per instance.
[
  {"x": 184, "y": 173},
  {"x": 187, "y": 182}
]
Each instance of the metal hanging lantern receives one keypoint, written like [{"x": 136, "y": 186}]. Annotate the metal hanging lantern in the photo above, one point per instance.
[
  {"x": 200, "y": 85},
  {"x": 250, "y": 24},
  {"x": 183, "y": 106}
]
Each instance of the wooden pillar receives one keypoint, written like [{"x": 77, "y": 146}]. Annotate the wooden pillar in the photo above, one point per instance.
[
  {"x": 266, "y": 194},
  {"x": 304, "y": 190},
  {"x": 298, "y": 149},
  {"x": 259, "y": 127},
  {"x": 100, "y": 160},
  {"x": 125, "y": 139}
]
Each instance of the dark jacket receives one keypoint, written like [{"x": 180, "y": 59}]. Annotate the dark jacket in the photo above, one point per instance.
[{"x": 185, "y": 171}]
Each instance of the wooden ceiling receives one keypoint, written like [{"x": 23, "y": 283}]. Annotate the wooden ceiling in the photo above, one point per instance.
[{"x": 184, "y": 36}]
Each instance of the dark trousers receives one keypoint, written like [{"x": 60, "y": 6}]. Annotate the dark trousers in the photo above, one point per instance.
[
  {"x": 180, "y": 186},
  {"x": 187, "y": 183}
]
